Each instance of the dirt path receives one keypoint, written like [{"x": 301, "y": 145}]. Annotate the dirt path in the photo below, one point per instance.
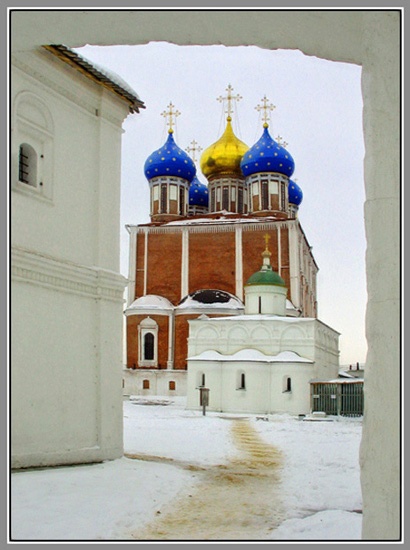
[{"x": 237, "y": 501}]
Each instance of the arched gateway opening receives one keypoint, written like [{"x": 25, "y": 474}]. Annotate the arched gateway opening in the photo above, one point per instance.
[{"x": 350, "y": 36}]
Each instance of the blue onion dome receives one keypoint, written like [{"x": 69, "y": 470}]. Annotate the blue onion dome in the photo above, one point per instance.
[
  {"x": 267, "y": 156},
  {"x": 295, "y": 193},
  {"x": 170, "y": 160},
  {"x": 198, "y": 193}
]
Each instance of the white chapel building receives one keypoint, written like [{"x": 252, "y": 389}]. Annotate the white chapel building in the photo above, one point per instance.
[{"x": 263, "y": 360}]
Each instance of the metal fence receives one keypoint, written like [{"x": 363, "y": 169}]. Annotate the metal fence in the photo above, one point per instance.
[{"x": 344, "y": 398}]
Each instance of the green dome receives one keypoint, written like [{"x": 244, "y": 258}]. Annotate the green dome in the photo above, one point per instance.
[{"x": 266, "y": 277}]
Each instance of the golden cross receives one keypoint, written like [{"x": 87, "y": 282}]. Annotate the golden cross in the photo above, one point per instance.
[
  {"x": 279, "y": 140},
  {"x": 267, "y": 239},
  {"x": 194, "y": 148},
  {"x": 172, "y": 115},
  {"x": 229, "y": 98},
  {"x": 265, "y": 108}
]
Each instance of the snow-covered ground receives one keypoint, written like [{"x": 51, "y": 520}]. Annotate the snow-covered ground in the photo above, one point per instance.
[{"x": 169, "y": 451}]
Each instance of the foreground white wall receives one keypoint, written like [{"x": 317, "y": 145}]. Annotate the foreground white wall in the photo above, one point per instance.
[
  {"x": 370, "y": 39},
  {"x": 66, "y": 293}
]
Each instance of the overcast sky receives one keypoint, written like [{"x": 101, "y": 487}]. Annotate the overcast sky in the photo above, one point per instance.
[{"x": 318, "y": 113}]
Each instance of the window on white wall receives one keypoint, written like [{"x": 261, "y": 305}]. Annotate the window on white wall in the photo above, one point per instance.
[
  {"x": 148, "y": 343},
  {"x": 286, "y": 384},
  {"x": 27, "y": 165},
  {"x": 32, "y": 146},
  {"x": 241, "y": 381}
]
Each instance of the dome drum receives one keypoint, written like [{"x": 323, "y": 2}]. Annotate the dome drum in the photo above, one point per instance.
[
  {"x": 198, "y": 198},
  {"x": 268, "y": 195},
  {"x": 168, "y": 199},
  {"x": 228, "y": 194}
]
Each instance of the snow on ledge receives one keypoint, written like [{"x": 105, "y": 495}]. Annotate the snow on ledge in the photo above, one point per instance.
[
  {"x": 251, "y": 355},
  {"x": 150, "y": 301}
]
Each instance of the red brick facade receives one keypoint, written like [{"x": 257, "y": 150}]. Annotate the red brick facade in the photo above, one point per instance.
[{"x": 175, "y": 260}]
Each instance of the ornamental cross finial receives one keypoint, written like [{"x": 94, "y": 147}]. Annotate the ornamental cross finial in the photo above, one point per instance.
[
  {"x": 195, "y": 147},
  {"x": 267, "y": 239},
  {"x": 265, "y": 108},
  {"x": 172, "y": 115},
  {"x": 229, "y": 98},
  {"x": 283, "y": 143}
]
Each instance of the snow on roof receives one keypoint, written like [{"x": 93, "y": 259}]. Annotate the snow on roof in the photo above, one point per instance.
[
  {"x": 210, "y": 299},
  {"x": 200, "y": 221},
  {"x": 251, "y": 355},
  {"x": 262, "y": 317},
  {"x": 97, "y": 72},
  {"x": 337, "y": 381},
  {"x": 150, "y": 302}
]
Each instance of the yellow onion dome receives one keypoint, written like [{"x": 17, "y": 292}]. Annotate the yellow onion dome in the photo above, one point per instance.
[{"x": 224, "y": 156}]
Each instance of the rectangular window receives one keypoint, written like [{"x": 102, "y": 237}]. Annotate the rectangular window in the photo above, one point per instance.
[
  {"x": 164, "y": 198},
  {"x": 213, "y": 205},
  {"x": 240, "y": 201},
  {"x": 225, "y": 199},
  {"x": 273, "y": 187},
  {"x": 173, "y": 192},
  {"x": 145, "y": 384},
  {"x": 181, "y": 201},
  {"x": 282, "y": 197},
  {"x": 172, "y": 385},
  {"x": 264, "y": 195},
  {"x": 255, "y": 188}
]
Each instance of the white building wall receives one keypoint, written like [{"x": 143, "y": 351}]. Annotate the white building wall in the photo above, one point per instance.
[
  {"x": 158, "y": 382},
  {"x": 67, "y": 294},
  {"x": 264, "y": 386}
]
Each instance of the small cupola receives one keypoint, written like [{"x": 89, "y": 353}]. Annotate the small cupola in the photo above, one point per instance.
[
  {"x": 265, "y": 290},
  {"x": 169, "y": 172},
  {"x": 267, "y": 166}
]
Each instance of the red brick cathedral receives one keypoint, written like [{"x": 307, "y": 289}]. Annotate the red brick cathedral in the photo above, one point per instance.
[{"x": 205, "y": 241}]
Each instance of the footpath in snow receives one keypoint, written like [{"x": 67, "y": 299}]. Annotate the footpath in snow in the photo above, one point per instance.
[{"x": 230, "y": 477}]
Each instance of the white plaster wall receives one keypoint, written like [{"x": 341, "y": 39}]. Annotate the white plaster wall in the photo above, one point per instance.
[
  {"x": 263, "y": 393},
  {"x": 371, "y": 39},
  {"x": 67, "y": 294},
  {"x": 159, "y": 382},
  {"x": 60, "y": 378},
  {"x": 81, "y": 221},
  {"x": 267, "y": 334},
  {"x": 272, "y": 303}
]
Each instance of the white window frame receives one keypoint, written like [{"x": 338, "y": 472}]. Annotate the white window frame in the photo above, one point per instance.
[
  {"x": 147, "y": 326},
  {"x": 33, "y": 126}
]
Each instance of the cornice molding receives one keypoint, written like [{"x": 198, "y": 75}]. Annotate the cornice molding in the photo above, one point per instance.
[
  {"x": 216, "y": 227},
  {"x": 62, "y": 276}
]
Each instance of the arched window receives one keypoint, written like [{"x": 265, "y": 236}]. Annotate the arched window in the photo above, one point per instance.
[
  {"x": 149, "y": 346},
  {"x": 286, "y": 384},
  {"x": 148, "y": 343},
  {"x": 32, "y": 146},
  {"x": 242, "y": 385},
  {"x": 27, "y": 165}
]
